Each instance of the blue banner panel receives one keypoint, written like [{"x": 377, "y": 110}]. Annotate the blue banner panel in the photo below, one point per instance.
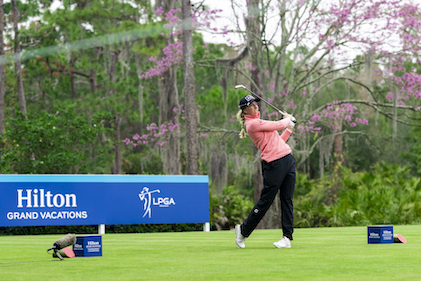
[
  {"x": 380, "y": 234},
  {"x": 152, "y": 203},
  {"x": 88, "y": 246},
  {"x": 30, "y": 200}
]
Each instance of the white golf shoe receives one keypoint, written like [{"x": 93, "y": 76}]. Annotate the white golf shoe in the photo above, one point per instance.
[
  {"x": 239, "y": 238},
  {"x": 283, "y": 243}
]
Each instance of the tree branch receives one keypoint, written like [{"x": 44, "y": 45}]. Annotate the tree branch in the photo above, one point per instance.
[
  {"x": 307, "y": 153},
  {"x": 376, "y": 106}
]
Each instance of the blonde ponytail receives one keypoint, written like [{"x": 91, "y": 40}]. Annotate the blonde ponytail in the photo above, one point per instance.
[{"x": 242, "y": 120}]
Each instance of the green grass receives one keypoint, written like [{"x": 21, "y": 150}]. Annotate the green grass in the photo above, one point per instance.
[{"x": 340, "y": 253}]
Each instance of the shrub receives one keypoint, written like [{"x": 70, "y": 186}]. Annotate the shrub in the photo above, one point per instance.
[
  {"x": 229, "y": 209},
  {"x": 386, "y": 194}
]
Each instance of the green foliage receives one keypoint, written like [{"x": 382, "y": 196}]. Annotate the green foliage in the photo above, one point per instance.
[
  {"x": 302, "y": 184},
  {"x": 413, "y": 151},
  {"x": 153, "y": 228},
  {"x": 26, "y": 9},
  {"x": 387, "y": 194},
  {"x": 50, "y": 143},
  {"x": 229, "y": 209},
  {"x": 212, "y": 99},
  {"x": 145, "y": 162}
]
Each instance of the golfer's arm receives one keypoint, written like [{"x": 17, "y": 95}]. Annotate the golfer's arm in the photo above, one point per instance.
[{"x": 285, "y": 135}]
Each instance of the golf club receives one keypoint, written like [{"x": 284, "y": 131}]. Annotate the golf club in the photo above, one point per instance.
[
  {"x": 257, "y": 96},
  {"x": 62, "y": 243}
]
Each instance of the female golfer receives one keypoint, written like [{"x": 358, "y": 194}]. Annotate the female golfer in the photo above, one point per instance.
[{"x": 278, "y": 169}]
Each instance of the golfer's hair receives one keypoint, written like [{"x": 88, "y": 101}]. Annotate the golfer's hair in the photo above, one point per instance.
[{"x": 242, "y": 120}]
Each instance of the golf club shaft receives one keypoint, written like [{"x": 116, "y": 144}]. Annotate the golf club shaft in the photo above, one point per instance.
[{"x": 257, "y": 96}]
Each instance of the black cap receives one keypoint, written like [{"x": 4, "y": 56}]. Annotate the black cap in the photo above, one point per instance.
[{"x": 247, "y": 100}]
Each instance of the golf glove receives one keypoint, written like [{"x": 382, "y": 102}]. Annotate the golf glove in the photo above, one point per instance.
[{"x": 292, "y": 123}]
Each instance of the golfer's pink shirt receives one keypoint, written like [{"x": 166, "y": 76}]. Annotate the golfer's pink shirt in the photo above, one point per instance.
[{"x": 265, "y": 136}]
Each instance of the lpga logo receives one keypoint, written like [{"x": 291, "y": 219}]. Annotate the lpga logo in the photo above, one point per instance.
[{"x": 146, "y": 196}]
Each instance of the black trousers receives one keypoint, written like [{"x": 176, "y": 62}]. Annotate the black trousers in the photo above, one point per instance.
[{"x": 277, "y": 175}]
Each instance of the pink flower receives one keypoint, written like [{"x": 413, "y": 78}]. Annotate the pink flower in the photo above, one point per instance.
[
  {"x": 159, "y": 11},
  {"x": 272, "y": 86},
  {"x": 389, "y": 96},
  {"x": 316, "y": 117}
]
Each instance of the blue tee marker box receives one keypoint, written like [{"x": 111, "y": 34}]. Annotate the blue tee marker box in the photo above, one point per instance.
[
  {"x": 88, "y": 246},
  {"x": 380, "y": 234}
]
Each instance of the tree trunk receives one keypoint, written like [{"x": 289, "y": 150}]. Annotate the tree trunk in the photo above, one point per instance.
[
  {"x": 218, "y": 170},
  {"x": 113, "y": 56},
  {"x": 338, "y": 145},
  {"x": 117, "y": 147},
  {"x": 395, "y": 99},
  {"x": 140, "y": 90},
  {"x": 168, "y": 100},
  {"x": 253, "y": 33},
  {"x": 92, "y": 80},
  {"x": 72, "y": 78},
  {"x": 2, "y": 73},
  {"x": 338, "y": 139},
  {"x": 280, "y": 76},
  {"x": 18, "y": 67},
  {"x": 189, "y": 86}
]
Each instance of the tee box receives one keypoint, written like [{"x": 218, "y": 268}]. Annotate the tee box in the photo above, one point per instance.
[
  {"x": 380, "y": 234},
  {"x": 88, "y": 246}
]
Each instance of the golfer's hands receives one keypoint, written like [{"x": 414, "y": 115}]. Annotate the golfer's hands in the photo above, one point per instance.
[
  {"x": 286, "y": 115},
  {"x": 292, "y": 121},
  {"x": 291, "y": 124},
  {"x": 292, "y": 118}
]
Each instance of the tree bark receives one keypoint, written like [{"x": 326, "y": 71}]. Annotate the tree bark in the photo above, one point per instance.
[
  {"x": 140, "y": 90},
  {"x": 117, "y": 147},
  {"x": 113, "y": 56},
  {"x": 92, "y": 80},
  {"x": 2, "y": 73},
  {"x": 72, "y": 77},
  {"x": 18, "y": 66},
  {"x": 218, "y": 170},
  {"x": 189, "y": 86},
  {"x": 253, "y": 35},
  {"x": 338, "y": 140},
  {"x": 168, "y": 100}
]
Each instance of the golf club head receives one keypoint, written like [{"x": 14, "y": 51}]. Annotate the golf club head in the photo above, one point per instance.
[
  {"x": 64, "y": 253},
  {"x": 240, "y": 86}
]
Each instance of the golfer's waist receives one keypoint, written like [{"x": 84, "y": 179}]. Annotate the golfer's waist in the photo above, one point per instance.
[{"x": 272, "y": 158}]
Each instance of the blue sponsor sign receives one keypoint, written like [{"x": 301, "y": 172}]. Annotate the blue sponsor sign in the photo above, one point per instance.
[
  {"x": 380, "y": 234},
  {"x": 29, "y": 200},
  {"x": 88, "y": 246}
]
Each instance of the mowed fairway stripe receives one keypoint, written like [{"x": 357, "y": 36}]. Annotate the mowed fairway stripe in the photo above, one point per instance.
[{"x": 340, "y": 253}]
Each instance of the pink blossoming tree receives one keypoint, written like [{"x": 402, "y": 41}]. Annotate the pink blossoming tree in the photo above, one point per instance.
[
  {"x": 295, "y": 53},
  {"x": 300, "y": 49}
]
